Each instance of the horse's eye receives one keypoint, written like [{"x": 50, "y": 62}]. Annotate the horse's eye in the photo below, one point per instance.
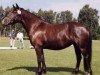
[{"x": 15, "y": 11}]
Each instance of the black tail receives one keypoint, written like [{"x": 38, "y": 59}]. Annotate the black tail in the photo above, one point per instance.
[{"x": 90, "y": 47}]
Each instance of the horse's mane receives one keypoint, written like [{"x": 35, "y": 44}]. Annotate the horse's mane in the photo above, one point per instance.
[{"x": 30, "y": 13}]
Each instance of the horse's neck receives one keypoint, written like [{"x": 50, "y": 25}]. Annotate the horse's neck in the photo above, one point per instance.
[{"x": 30, "y": 22}]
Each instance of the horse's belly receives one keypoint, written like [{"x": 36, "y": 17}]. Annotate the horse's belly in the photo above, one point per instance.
[{"x": 56, "y": 46}]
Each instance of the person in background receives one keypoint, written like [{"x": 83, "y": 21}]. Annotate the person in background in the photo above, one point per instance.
[
  {"x": 12, "y": 38},
  {"x": 20, "y": 39}
]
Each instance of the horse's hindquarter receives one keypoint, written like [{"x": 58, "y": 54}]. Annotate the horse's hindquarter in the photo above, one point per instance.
[{"x": 80, "y": 35}]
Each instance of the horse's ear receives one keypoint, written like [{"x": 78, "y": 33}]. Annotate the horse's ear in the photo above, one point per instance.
[
  {"x": 14, "y": 7},
  {"x": 17, "y": 6}
]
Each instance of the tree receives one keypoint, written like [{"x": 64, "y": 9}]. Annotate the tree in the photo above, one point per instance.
[
  {"x": 5, "y": 30},
  {"x": 66, "y": 16},
  {"x": 7, "y": 10},
  {"x": 98, "y": 32},
  {"x": 74, "y": 20},
  {"x": 89, "y": 17},
  {"x": 58, "y": 18},
  {"x": 1, "y": 12},
  {"x": 1, "y": 16},
  {"x": 41, "y": 14},
  {"x": 49, "y": 16}
]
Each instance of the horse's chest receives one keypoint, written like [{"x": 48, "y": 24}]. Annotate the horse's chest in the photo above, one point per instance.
[{"x": 37, "y": 37}]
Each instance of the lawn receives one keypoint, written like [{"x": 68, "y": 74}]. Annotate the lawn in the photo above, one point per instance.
[{"x": 24, "y": 62}]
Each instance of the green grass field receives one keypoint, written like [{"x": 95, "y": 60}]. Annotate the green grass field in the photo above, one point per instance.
[{"x": 24, "y": 62}]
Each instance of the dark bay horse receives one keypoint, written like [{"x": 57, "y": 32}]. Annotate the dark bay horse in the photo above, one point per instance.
[{"x": 44, "y": 35}]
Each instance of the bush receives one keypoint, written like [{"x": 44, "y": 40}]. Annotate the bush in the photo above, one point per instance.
[
  {"x": 98, "y": 37},
  {"x": 26, "y": 38}
]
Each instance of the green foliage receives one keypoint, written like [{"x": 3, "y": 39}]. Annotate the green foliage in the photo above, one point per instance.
[
  {"x": 41, "y": 14},
  {"x": 89, "y": 17},
  {"x": 58, "y": 18},
  {"x": 7, "y": 9},
  {"x": 66, "y": 16},
  {"x": 48, "y": 16},
  {"x": 98, "y": 32},
  {"x": 1, "y": 16},
  {"x": 54, "y": 17},
  {"x": 1, "y": 12}
]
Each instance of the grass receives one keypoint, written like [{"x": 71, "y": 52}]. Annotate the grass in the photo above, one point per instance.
[{"x": 24, "y": 62}]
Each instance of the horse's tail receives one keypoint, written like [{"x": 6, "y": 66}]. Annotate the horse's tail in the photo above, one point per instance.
[{"x": 90, "y": 47}]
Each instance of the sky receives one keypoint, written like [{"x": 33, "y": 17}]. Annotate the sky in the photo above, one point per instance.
[{"x": 56, "y": 5}]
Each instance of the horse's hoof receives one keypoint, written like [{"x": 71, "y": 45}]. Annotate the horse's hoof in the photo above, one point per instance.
[
  {"x": 87, "y": 73},
  {"x": 38, "y": 73},
  {"x": 74, "y": 73}
]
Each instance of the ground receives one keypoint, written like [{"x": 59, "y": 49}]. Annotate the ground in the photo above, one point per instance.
[{"x": 24, "y": 62}]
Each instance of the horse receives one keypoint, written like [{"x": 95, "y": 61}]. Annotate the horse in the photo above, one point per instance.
[{"x": 44, "y": 35}]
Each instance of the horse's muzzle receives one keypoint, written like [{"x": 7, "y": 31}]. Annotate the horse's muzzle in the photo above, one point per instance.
[{"x": 5, "y": 21}]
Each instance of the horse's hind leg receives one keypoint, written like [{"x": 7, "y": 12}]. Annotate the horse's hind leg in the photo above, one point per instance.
[
  {"x": 87, "y": 62},
  {"x": 78, "y": 57}
]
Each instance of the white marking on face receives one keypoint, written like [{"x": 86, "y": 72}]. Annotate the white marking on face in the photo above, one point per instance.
[{"x": 19, "y": 11}]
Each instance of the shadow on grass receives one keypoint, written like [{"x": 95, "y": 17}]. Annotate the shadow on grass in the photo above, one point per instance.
[{"x": 50, "y": 69}]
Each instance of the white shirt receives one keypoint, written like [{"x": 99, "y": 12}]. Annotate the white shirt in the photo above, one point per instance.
[{"x": 20, "y": 35}]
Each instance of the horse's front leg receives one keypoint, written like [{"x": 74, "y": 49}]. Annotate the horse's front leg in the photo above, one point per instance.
[
  {"x": 40, "y": 60},
  {"x": 43, "y": 63}
]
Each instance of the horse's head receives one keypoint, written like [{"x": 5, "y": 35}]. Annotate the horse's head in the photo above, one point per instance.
[{"x": 13, "y": 16}]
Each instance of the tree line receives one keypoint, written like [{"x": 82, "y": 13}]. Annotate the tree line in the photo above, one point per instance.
[{"x": 87, "y": 16}]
